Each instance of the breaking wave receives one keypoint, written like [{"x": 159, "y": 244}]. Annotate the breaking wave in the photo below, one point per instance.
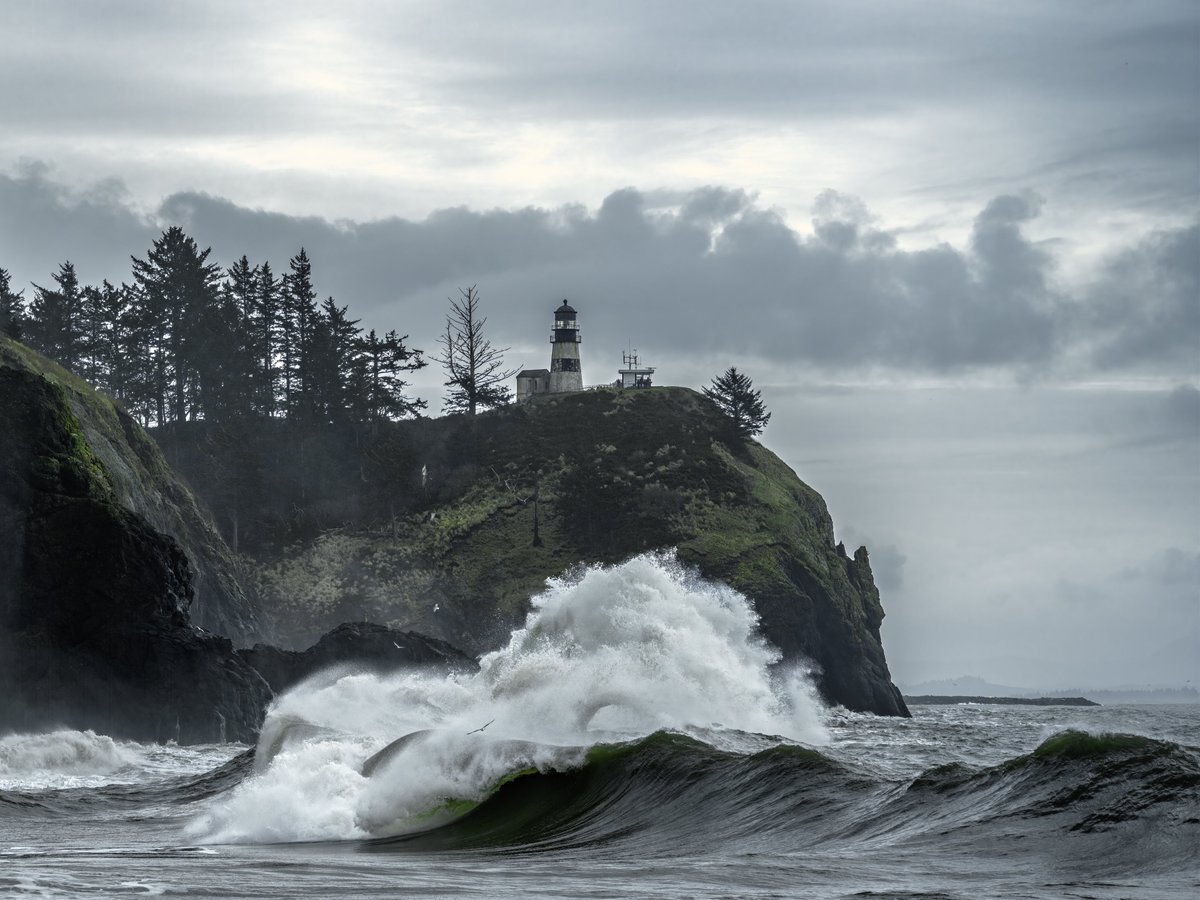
[{"x": 608, "y": 655}]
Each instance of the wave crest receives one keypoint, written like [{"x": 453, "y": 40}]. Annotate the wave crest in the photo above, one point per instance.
[{"x": 609, "y": 654}]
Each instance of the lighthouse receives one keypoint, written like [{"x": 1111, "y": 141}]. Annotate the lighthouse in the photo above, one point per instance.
[{"x": 565, "y": 371}]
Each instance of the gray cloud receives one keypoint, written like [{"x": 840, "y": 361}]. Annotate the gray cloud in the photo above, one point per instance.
[
  {"x": 1146, "y": 303},
  {"x": 43, "y": 223},
  {"x": 1095, "y": 102},
  {"x": 701, "y": 272}
]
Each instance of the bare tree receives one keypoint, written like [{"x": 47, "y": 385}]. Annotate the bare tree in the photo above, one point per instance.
[{"x": 474, "y": 368}]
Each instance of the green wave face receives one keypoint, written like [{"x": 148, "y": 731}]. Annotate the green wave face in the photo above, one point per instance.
[
  {"x": 1081, "y": 745},
  {"x": 668, "y": 793}
]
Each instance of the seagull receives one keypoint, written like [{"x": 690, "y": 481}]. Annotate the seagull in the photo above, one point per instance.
[
  {"x": 397, "y": 646},
  {"x": 436, "y": 607},
  {"x": 481, "y": 727}
]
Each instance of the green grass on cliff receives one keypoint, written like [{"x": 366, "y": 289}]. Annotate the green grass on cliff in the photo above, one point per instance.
[
  {"x": 65, "y": 457},
  {"x": 615, "y": 473}
]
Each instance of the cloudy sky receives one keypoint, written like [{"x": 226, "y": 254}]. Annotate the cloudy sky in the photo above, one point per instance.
[{"x": 957, "y": 245}]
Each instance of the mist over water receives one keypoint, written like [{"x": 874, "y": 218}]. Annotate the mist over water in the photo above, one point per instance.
[{"x": 606, "y": 655}]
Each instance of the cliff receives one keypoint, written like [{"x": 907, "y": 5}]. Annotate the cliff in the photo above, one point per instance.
[
  {"x": 101, "y": 450},
  {"x": 448, "y": 526},
  {"x": 94, "y": 595}
]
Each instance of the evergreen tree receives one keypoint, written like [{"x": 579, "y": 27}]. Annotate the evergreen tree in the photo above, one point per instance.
[
  {"x": 300, "y": 313},
  {"x": 146, "y": 386},
  {"x": 335, "y": 350},
  {"x": 236, "y": 341},
  {"x": 105, "y": 316},
  {"x": 12, "y": 309},
  {"x": 179, "y": 288},
  {"x": 114, "y": 349},
  {"x": 241, "y": 287},
  {"x": 268, "y": 327},
  {"x": 734, "y": 393},
  {"x": 475, "y": 369},
  {"x": 55, "y": 326},
  {"x": 224, "y": 363},
  {"x": 378, "y": 376}
]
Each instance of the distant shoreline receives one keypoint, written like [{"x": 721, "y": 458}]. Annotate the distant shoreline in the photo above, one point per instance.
[{"x": 950, "y": 700}]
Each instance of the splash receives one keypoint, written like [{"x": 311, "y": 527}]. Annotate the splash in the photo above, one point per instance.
[
  {"x": 606, "y": 654},
  {"x": 59, "y": 759}
]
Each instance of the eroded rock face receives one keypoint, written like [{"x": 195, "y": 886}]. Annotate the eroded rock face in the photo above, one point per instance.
[
  {"x": 104, "y": 448},
  {"x": 94, "y": 627}
]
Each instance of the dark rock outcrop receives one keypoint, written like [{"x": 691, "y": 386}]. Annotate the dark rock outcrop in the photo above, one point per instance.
[
  {"x": 94, "y": 629},
  {"x": 111, "y": 451},
  {"x": 358, "y": 645}
]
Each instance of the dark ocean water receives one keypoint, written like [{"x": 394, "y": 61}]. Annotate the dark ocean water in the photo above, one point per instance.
[
  {"x": 958, "y": 802},
  {"x": 632, "y": 741}
]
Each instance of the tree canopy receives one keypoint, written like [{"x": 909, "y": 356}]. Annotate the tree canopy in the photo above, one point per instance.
[
  {"x": 734, "y": 393},
  {"x": 186, "y": 340}
]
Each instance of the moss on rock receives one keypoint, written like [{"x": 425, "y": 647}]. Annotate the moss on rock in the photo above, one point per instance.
[{"x": 502, "y": 501}]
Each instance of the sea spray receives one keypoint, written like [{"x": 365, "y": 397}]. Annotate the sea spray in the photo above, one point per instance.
[
  {"x": 607, "y": 654},
  {"x": 63, "y": 759}
]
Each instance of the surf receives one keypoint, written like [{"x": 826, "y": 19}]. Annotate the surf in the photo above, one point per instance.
[{"x": 608, "y": 654}]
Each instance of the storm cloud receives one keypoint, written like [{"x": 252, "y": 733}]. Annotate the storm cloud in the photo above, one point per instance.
[
  {"x": 955, "y": 244},
  {"x": 708, "y": 271},
  {"x": 927, "y": 109}
]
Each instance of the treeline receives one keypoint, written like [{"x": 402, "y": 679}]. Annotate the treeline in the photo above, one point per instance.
[{"x": 185, "y": 340}]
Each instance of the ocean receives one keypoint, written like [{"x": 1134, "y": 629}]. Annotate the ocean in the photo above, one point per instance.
[{"x": 635, "y": 739}]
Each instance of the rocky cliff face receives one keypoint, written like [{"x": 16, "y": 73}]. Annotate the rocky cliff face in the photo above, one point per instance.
[
  {"x": 481, "y": 511},
  {"x": 445, "y": 527},
  {"x": 94, "y": 598},
  {"x": 106, "y": 452}
]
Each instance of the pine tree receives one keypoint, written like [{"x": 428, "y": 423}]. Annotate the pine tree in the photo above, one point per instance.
[
  {"x": 113, "y": 347},
  {"x": 331, "y": 360},
  {"x": 475, "y": 369},
  {"x": 300, "y": 313},
  {"x": 241, "y": 286},
  {"x": 178, "y": 288},
  {"x": 268, "y": 327},
  {"x": 104, "y": 315},
  {"x": 734, "y": 393},
  {"x": 235, "y": 342},
  {"x": 380, "y": 365},
  {"x": 12, "y": 309},
  {"x": 55, "y": 325}
]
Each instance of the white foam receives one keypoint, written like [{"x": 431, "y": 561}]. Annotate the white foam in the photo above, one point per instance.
[
  {"x": 64, "y": 758},
  {"x": 610, "y": 654}
]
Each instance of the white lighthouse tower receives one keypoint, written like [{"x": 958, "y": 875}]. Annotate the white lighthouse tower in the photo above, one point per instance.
[{"x": 565, "y": 371}]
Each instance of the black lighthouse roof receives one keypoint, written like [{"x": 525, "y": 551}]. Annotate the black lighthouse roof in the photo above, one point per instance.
[{"x": 565, "y": 308}]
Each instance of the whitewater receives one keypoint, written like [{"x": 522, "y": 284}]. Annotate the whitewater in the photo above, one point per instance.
[{"x": 635, "y": 738}]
